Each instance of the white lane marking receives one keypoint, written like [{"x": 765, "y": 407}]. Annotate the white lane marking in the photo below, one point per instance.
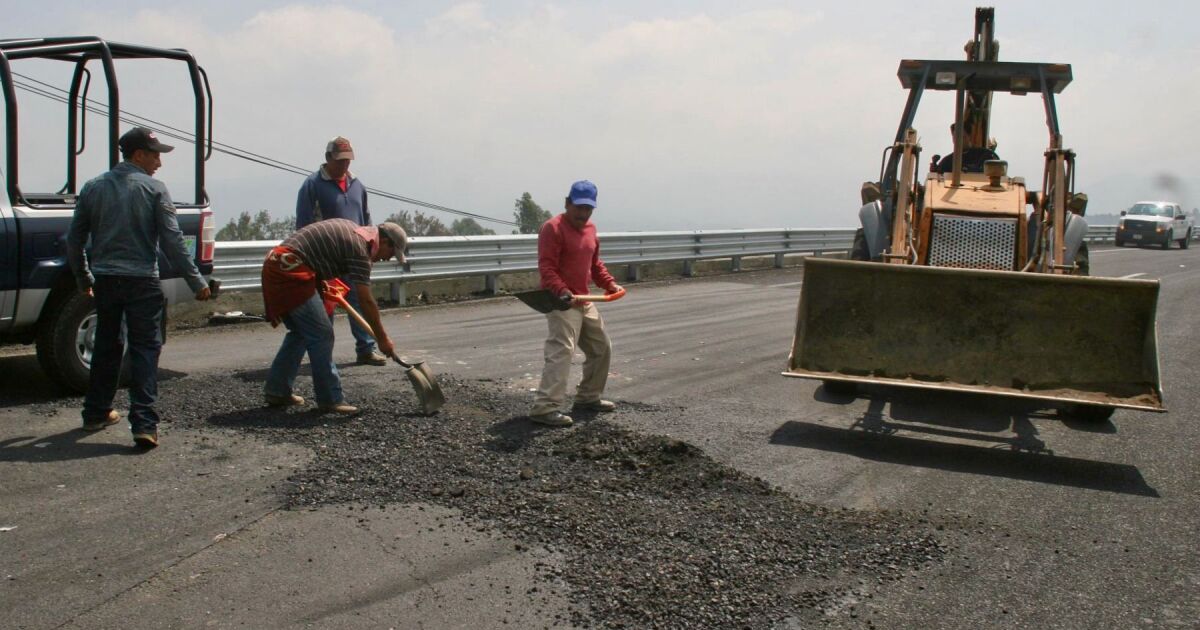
[
  {"x": 1114, "y": 250},
  {"x": 787, "y": 284},
  {"x": 1132, "y": 275}
]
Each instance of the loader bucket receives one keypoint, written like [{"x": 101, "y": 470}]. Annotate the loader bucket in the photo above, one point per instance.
[{"x": 1064, "y": 339}]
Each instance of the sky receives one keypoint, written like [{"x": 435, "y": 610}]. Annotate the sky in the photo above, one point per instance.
[{"x": 687, "y": 115}]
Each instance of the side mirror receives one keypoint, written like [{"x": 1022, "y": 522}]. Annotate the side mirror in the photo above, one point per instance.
[{"x": 1123, "y": 213}]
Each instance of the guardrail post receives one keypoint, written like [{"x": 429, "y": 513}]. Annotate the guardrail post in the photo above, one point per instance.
[
  {"x": 398, "y": 293},
  {"x": 489, "y": 283},
  {"x": 633, "y": 273},
  {"x": 779, "y": 260},
  {"x": 735, "y": 263},
  {"x": 688, "y": 268}
]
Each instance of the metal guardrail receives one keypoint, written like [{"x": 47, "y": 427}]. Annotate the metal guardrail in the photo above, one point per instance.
[{"x": 239, "y": 263}]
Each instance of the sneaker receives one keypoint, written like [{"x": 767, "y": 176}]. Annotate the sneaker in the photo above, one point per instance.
[
  {"x": 553, "y": 419},
  {"x": 342, "y": 408},
  {"x": 107, "y": 421},
  {"x": 146, "y": 439},
  {"x": 371, "y": 358},
  {"x": 601, "y": 406},
  {"x": 291, "y": 400}
]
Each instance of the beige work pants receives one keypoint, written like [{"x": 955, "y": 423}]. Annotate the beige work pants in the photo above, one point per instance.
[{"x": 580, "y": 326}]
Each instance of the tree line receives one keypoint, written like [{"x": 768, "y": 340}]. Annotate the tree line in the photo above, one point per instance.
[{"x": 260, "y": 226}]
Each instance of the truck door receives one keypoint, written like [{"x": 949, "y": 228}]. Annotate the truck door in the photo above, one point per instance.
[{"x": 8, "y": 259}]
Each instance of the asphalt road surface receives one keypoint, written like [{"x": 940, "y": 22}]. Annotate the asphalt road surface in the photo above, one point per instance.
[{"x": 1046, "y": 523}]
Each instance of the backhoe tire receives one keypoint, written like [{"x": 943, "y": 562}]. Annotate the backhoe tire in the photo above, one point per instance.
[
  {"x": 859, "y": 250},
  {"x": 65, "y": 342},
  {"x": 1167, "y": 243},
  {"x": 1088, "y": 413},
  {"x": 840, "y": 388},
  {"x": 1186, "y": 240}
]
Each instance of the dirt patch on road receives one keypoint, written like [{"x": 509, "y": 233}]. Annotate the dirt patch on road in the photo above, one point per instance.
[{"x": 654, "y": 532}]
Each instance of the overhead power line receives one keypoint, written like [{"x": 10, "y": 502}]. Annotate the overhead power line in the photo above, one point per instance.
[{"x": 55, "y": 93}]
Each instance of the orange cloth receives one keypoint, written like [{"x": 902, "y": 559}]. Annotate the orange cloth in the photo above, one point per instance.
[{"x": 287, "y": 283}]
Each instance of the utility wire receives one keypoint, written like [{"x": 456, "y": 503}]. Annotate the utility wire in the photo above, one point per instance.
[{"x": 55, "y": 93}]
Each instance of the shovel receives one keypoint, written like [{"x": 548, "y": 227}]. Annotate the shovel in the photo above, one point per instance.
[
  {"x": 429, "y": 393},
  {"x": 544, "y": 301}
]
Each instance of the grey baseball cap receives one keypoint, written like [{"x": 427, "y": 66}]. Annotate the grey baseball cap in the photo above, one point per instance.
[{"x": 397, "y": 236}]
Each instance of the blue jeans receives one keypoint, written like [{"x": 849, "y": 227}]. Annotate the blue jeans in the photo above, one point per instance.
[
  {"x": 363, "y": 341},
  {"x": 140, "y": 302},
  {"x": 311, "y": 331}
]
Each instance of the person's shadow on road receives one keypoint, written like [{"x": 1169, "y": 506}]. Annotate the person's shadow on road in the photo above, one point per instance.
[{"x": 64, "y": 446}]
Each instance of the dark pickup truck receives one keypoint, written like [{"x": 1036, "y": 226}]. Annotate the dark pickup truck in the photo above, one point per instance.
[{"x": 39, "y": 301}]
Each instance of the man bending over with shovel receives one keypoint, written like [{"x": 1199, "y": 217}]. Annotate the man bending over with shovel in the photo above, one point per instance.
[
  {"x": 296, "y": 278},
  {"x": 568, "y": 260}
]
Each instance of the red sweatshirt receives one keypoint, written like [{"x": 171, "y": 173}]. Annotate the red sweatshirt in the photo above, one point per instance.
[{"x": 569, "y": 258}]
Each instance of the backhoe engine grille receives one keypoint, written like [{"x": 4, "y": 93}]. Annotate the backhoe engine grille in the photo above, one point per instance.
[{"x": 972, "y": 243}]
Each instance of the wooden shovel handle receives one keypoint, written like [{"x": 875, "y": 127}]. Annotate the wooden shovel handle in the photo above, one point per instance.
[
  {"x": 607, "y": 297},
  {"x": 337, "y": 297},
  {"x": 353, "y": 313}
]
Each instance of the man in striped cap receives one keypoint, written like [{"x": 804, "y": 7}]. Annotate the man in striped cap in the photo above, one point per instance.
[{"x": 296, "y": 279}]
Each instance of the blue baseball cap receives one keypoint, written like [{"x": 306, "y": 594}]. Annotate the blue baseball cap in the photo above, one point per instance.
[{"x": 583, "y": 193}]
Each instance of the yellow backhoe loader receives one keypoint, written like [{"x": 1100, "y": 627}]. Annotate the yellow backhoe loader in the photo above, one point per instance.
[{"x": 969, "y": 281}]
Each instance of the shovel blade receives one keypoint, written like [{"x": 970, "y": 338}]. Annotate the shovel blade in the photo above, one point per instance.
[
  {"x": 542, "y": 301},
  {"x": 429, "y": 393},
  {"x": 1039, "y": 336}
]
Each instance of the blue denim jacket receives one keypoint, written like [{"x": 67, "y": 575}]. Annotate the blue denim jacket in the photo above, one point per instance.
[{"x": 128, "y": 215}]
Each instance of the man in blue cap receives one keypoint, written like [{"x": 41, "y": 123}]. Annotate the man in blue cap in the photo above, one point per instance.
[{"x": 568, "y": 261}]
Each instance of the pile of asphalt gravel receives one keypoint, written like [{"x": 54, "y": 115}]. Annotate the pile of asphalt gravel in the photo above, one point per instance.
[{"x": 654, "y": 533}]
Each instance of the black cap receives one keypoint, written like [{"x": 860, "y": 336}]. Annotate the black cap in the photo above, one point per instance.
[{"x": 142, "y": 138}]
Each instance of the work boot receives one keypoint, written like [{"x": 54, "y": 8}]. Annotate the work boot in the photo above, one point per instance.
[
  {"x": 343, "y": 408},
  {"x": 107, "y": 421},
  {"x": 371, "y": 357},
  {"x": 146, "y": 440},
  {"x": 553, "y": 419},
  {"x": 291, "y": 400},
  {"x": 598, "y": 406}
]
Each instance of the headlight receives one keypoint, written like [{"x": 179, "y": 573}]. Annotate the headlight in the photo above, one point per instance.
[
  {"x": 1121, "y": 225},
  {"x": 1158, "y": 228}
]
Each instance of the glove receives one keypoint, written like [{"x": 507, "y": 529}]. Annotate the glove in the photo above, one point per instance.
[{"x": 567, "y": 299}]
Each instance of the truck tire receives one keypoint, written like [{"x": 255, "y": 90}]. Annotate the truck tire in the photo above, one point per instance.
[
  {"x": 1186, "y": 240},
  {"x": 1166, "y": 244},
  {"x": 65, "y": 342}
]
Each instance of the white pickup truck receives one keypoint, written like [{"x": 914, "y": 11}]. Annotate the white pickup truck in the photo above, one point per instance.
[{"x": 1155, "y": 223}]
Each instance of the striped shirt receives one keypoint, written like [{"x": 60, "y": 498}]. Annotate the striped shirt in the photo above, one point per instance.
[{"x": 334, "y": 248}]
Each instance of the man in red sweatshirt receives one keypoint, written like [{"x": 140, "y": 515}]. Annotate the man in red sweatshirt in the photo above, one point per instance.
[{"x": 568, "y": 260}]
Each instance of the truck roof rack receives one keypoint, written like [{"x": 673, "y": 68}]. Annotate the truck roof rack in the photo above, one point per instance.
[{"x": 80, "y": 51}]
